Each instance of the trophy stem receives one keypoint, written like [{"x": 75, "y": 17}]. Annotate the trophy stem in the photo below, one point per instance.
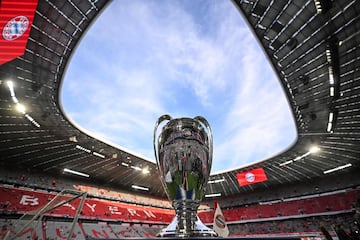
[
  {"x": 186, "y": 222},
  {"x": 186, "y": 212}
]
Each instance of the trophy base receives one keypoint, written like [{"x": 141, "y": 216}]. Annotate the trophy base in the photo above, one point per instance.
[{"x": 198, "y": 230}]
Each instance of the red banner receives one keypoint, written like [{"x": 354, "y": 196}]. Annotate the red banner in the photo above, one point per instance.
[
  {"x": 251, "y": 176},
  {"x": 16, "y": 18},
  {"x": 23, "y": 201}
]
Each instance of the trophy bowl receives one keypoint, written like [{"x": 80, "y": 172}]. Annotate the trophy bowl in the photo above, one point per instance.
[{"x": 183, "y": 151}]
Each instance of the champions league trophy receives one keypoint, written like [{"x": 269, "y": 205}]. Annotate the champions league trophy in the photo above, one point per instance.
[{"x": 183, "y": 152}]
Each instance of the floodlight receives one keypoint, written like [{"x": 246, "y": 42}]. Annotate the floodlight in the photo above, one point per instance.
[
  {"x": 145, "y": 171},
  {"x": 76, "y": 172},
  {"x": 10, "y": 84},
  {"x": 337, "y": 168},
  {"x": 314, "y": 149},
  {"x": 140, "y": 188},
  {"x": 20, "y": 108},
  {"x": 213, "y": 195}
]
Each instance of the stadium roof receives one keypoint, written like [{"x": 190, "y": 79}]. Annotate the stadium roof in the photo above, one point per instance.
[{"x": 313, "y": 47}]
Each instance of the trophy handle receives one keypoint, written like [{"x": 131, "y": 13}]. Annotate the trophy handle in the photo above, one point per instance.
[
  {"x": 206, "y": 123},
  {"x": 160, "y": 120}
]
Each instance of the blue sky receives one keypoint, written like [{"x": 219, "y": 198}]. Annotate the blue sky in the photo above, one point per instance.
[{"x": 145, "y": 58}]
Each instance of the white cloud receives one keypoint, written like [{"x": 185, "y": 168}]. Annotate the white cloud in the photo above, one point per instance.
[
  {"x": 254, "y": 127},
  {"x": 142, "y": 59}
]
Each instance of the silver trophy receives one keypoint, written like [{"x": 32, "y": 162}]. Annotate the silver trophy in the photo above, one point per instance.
[{"x": 183, "y": 152}]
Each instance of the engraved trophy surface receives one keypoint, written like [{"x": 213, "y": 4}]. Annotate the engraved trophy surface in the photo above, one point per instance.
[{"x": 183, "y": 152}]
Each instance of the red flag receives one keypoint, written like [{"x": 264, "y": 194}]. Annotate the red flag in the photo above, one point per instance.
[
  {"x": 16, "y": 18},
  {"x": 251, "y": 176}
]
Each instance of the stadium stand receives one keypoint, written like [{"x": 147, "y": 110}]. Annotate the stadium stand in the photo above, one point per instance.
[
  {"x": 102, "y": 218},
  {"x": 299, "y": 208}
]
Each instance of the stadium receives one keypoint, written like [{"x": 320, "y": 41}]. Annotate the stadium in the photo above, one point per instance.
[{"x": 310, "y": 190}]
